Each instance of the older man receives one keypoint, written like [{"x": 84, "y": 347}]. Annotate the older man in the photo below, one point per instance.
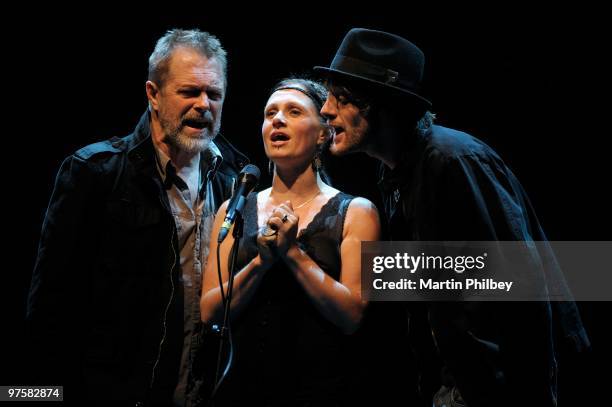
[{"x": 113, "y": 311}]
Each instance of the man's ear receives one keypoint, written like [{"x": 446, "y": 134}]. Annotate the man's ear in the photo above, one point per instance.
[{"x": 152, "y": 94}]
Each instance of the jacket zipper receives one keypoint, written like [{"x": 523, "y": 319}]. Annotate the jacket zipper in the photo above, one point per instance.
[{"x": 164, "y": 321}]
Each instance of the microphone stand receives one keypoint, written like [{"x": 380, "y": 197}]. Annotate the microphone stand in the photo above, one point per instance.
[{"x": 225, "y": 332}]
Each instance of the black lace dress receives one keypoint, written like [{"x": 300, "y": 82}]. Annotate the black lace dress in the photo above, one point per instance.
[{"x": 286, "y": 352}]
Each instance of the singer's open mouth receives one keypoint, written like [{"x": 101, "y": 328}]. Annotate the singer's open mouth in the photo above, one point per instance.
[
  {"x": 196, "y": 124},
  {"x": 279, "y": 137},
  {"x": 338, "y": 130}
]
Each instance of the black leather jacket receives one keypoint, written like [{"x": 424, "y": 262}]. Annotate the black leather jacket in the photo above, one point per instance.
[{"x": 105, "y": 312}]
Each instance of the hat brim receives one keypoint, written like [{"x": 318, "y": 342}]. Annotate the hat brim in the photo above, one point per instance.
[{"x": 326, "y": 72}]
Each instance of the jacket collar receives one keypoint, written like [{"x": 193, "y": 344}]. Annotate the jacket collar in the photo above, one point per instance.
[{"x": 391, "y": 179}]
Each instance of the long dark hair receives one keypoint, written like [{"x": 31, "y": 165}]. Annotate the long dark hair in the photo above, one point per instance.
[{"x": 369, "y": 101}]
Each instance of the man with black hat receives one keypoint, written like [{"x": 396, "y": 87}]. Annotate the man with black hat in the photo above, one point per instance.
[{"x": 441, "y": 184}]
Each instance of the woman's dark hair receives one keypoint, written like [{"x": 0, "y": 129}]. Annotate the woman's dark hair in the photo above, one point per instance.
[{"x": 316, "y": 91}]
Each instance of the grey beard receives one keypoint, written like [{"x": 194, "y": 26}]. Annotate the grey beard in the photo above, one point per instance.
[
  {"x": 184, "y": 143},
  {"x": 187, "y": 144}
]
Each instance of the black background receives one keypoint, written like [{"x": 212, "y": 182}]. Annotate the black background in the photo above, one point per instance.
[{"x": 528, "y": 82}]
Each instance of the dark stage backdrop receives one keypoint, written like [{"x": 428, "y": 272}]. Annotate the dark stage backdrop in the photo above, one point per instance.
[{"x": 524, "y": 81}]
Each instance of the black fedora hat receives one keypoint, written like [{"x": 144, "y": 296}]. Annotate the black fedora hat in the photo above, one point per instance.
[{"x": 383, "y": 60}]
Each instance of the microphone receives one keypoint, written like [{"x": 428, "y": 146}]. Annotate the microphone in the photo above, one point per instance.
[{"x": 247, "y": 181}]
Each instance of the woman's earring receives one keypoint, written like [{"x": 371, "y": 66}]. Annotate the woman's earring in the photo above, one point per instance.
[{"x": 270, "y": 167}]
